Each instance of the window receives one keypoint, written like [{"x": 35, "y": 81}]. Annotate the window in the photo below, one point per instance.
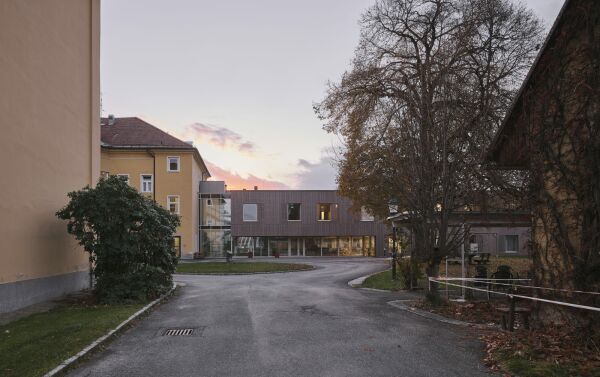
[
  {"x": 324, "y": 212},
  {"x": 250, "y": 212},
  {"x": 511, "y": 244},
  {"x": 173, "y": 203},
  {"x": 293, "y": 212},
  {"x": 104, "y": 174},
  {"x": 125, "y": 177},
  {"x": 209, "y": 202},
  {"x": 146, "y": 184},
  {"x": 365, "y": 216},
  {"x": 173, "y": 164}
]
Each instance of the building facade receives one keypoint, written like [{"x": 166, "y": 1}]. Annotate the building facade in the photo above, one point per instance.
[
  {"x": 161, "y": 167},
  {"x": 285, "y": 223},
  {"x": 499, "y": 233},
  {"x": 50, "y": 144},
  {"x": 551, "y": 129}
]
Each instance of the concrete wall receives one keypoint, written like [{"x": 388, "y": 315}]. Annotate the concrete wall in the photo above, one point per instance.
[
  {"x": 182, "y": 183},
  {"x": 50, "y": 122}
]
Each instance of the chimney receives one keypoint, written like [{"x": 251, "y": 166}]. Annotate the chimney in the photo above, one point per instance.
[
  {"x": 111, "y": 119},
  {"x": 255, "y": 188},
  {"x": 190, "y": 142}
]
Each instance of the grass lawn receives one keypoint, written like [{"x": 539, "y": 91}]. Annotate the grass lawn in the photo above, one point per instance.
[
  {"x": 383, "y": 280},
  {"x": 523, "y": 367},
  {"x": 239, "y": 268},
  {"x": 36, "y": 344}
]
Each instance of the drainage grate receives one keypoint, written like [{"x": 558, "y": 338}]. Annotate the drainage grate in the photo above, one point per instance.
[{"x": 179, "y": 332}]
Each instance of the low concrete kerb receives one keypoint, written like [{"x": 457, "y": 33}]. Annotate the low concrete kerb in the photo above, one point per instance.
[
  {"x": 436, "y": 317},
  {"x": 112, "y": 332}
]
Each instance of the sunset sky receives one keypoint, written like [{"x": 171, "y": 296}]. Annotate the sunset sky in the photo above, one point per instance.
[{"x": 237, "y": 77}]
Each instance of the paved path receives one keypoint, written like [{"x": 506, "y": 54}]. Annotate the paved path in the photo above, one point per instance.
[{"x": 294, "y": 324}]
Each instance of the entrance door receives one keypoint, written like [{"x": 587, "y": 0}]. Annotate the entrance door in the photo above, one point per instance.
[{"x": 177, "y": 246}]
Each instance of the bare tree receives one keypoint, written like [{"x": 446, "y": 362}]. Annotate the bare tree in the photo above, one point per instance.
[{"x": 429, "y": 84}]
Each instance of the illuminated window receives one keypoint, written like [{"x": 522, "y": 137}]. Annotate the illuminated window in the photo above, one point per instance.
[{"x": 325, "y": 212}]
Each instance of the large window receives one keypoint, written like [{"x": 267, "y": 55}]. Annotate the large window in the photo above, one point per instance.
[
  {"x": 325, "y": 212},
  {"x": 173, "y": 203},
  {"x": 278, "y": 245},
  {"x": 173, "y": 164},
  {"x": 216, "y": 242},
  {"x": 216, "y": 210},
  {"x": 146, "y": 184},
  {"x": 293, "y": 212},
  {"x": 511, "y": 244},
  {"x": 250, "y": 212}
]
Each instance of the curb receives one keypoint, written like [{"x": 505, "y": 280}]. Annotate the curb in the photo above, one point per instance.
[
  {"x": 356, "y": 283},
  {"x": 103, "y": 338},
  {"x": 436, "y": 317}
]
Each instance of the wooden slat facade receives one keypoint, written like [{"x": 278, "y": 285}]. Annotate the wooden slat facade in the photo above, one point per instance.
[{"x": 273, "y": 222}]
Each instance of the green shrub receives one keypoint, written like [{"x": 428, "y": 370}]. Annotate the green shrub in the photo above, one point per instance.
[
  {"x": 129, "y": 239},
  {"x": 409, "y": 269}
]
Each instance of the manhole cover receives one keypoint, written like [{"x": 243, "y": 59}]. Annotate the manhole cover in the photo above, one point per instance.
[{"x": 179, "y": 332}]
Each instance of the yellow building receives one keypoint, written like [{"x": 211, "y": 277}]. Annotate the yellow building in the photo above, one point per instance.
[
  {"x": 160, "y": 166},
  {"x": 50, "y": 143}
]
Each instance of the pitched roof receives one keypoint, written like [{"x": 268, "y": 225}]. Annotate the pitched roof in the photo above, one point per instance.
[
  {"x": 134, "y": 132},
  {"x": 503, "y": 133}
]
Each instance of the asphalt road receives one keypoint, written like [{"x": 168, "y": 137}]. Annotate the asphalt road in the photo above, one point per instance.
[{"x": 292, "y": 324}]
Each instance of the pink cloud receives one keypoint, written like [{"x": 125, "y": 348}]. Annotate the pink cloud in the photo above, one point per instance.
[
  {"x": 221, "y": 137},
  {"x": 235, "y": 181}
]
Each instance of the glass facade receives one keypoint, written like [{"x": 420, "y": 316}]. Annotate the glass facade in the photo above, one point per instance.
[
  {"x": 215, "y": 225},
  {"x": 257, "y": 245},
  {"x": 278, "y": 245},
  {"x": 215, "y": 242},
  {"x": 216, "y": 210},
  {"x": 305, "y": 246}
]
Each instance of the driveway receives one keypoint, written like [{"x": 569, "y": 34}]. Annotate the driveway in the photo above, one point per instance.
[{"x": 291, "y": 324}]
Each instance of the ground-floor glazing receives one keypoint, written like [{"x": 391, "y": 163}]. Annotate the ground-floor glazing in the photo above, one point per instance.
[{"x": 305, "y": 246}]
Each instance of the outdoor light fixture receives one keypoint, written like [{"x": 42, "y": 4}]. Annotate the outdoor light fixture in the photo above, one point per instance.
[{"x": 393, "y": 206}]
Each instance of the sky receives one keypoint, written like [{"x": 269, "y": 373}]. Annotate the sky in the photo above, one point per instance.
[{"x": 238, "y": 78}]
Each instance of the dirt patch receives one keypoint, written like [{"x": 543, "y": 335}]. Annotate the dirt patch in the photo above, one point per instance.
[{"x": 548, "y": 352}]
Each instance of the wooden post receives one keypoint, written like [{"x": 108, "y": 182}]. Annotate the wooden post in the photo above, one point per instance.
[{"x": 511, "y": 314}]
